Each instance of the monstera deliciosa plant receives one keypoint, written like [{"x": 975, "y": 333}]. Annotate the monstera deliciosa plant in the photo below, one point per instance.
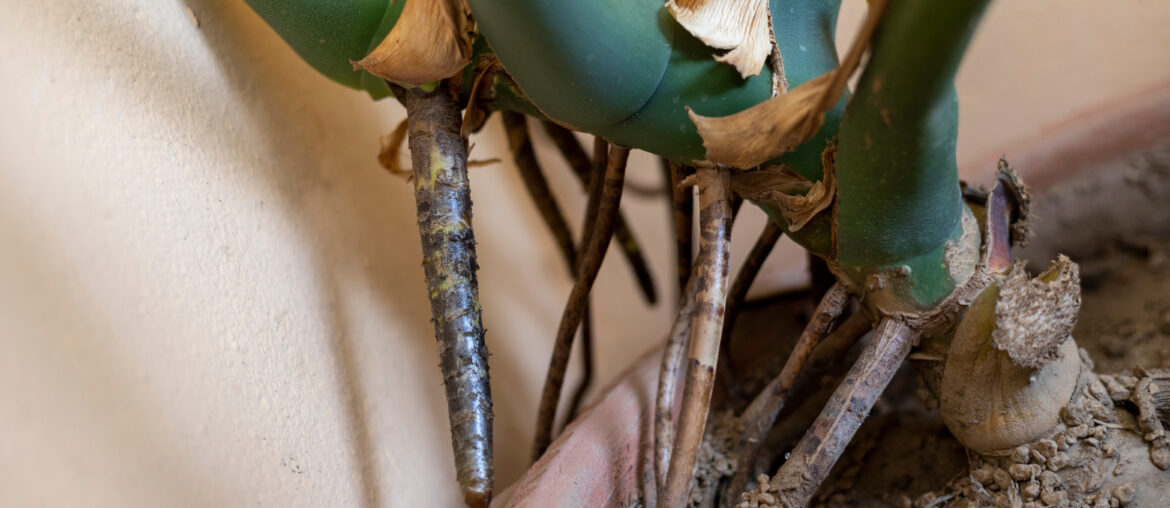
[{"x": 748, "y": 100}]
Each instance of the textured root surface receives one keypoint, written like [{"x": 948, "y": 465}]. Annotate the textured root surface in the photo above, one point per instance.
[
  {"x": 1114, "y": 224},
  {"x": 711, "y": 278},
  {"x": 443, "y": 197}
]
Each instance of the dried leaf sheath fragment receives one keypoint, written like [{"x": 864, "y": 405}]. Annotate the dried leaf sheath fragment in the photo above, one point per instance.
[
  {"x": 443, "y": 199},
  {"x": 425, "y": 45},
  {"x": 739, "y": 26},
  {"x": 711, "y": 282},
  {"x": 777, "y": 126},
  {"x": 606, "y": 213}
]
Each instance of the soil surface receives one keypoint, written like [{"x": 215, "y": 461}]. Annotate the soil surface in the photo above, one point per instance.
[{"x": 1113, "y": 220}]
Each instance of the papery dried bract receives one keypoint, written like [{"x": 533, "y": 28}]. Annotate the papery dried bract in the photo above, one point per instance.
[
  {"x": 427, "y": 44},
  {"x": 798, "y": 199},
  {"x": 777, "y": 126},
  {"x": 739, "y": 26}
]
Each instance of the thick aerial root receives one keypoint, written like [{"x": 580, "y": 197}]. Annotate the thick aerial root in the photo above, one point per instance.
[
  {"x": 711, "y": 295},
  {"x": 605, "y": 211},
  {"x": 672, "y": 355},
  {"x": 682, "y": 200},
  {"x": 759, "y": 417},
  {"x": 810, "y": 462},
  {"x": 735, "y": 297},
  {"x": 575, "y": 156},
  {"x": 443, "y": 198}
]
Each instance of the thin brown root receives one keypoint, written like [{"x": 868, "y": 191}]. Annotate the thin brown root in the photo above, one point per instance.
[
  {"x": 519, "y": 140},
  {"x": 735, "y": 297},
  {"x": 819, "y": 276},
  {"x": 443, "y": 199},
  {"x": 683, "y": 208},
  {"x": 575, "y": 155},
  {"x": 586, "y": 365},
  {"x": 607, "y": 192},
  {"x": 672, "y": 355},
  {"x": 810, "y": 462},
  {"x": 633, "y": 252},
  {"x": 711, "y": 296},
  {"x": 759, "y": 417}
]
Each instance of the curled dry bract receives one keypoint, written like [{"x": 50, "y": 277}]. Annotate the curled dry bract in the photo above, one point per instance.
[
  {"x": 777, "y": 126},
  {"x": 739, "y": 26},
  {"x": 427, "y": 44}
]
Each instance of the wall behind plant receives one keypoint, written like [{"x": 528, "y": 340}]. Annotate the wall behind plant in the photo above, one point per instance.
[{"x": 210, "y": 293}]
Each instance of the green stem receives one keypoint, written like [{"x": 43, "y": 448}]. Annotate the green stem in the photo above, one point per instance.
[{"x": 898, "y": 189}]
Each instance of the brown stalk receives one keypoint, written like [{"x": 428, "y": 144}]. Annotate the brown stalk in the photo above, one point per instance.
[
  {"x": 735, "y": 297},
  {"x": 607, "y": 193},
  {"x": 520, "y": 141},
  {"x": 443, "y": 200},
  {"x": 672, "y": 355},
  {"x": 586, "y": 364},
  {"x": 682, "y": 201},
  {"x": 759, "y": 417},
  {"x": 810, "y": 462},
  {"x": 571, "y": 149},
  {"x": 711, "y": 282}
]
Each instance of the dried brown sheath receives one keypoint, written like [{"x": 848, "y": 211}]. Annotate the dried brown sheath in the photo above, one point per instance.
[
  {"x": 711, "y": 282},
  {"x": 606, "y": 213},
  {"x": 443, "y": 198},
  {"x": 575, "y": 155}
]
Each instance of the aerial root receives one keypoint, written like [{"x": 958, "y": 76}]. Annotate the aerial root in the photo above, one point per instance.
[
  {"x": 711, "y": 274},
  {"x": 811, "y": 461},
  {"x": 759, "y": 417},
  {"x": 520, "y": 142},
  {"x": 735, "y": 298},
  {"x": 672, "y": 355},
  {"x": 602, "y": 210},
  {"x": 580, "y": 163},
  {"x": 682, "y": 202},
  {"x": 443, "y": 198}
]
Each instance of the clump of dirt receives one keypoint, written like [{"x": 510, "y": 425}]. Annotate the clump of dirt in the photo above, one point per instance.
[{"x": 1114, "y": 223}]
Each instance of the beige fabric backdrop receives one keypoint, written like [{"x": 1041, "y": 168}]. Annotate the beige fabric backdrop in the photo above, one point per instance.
[{"x": 210, "y": 293}]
